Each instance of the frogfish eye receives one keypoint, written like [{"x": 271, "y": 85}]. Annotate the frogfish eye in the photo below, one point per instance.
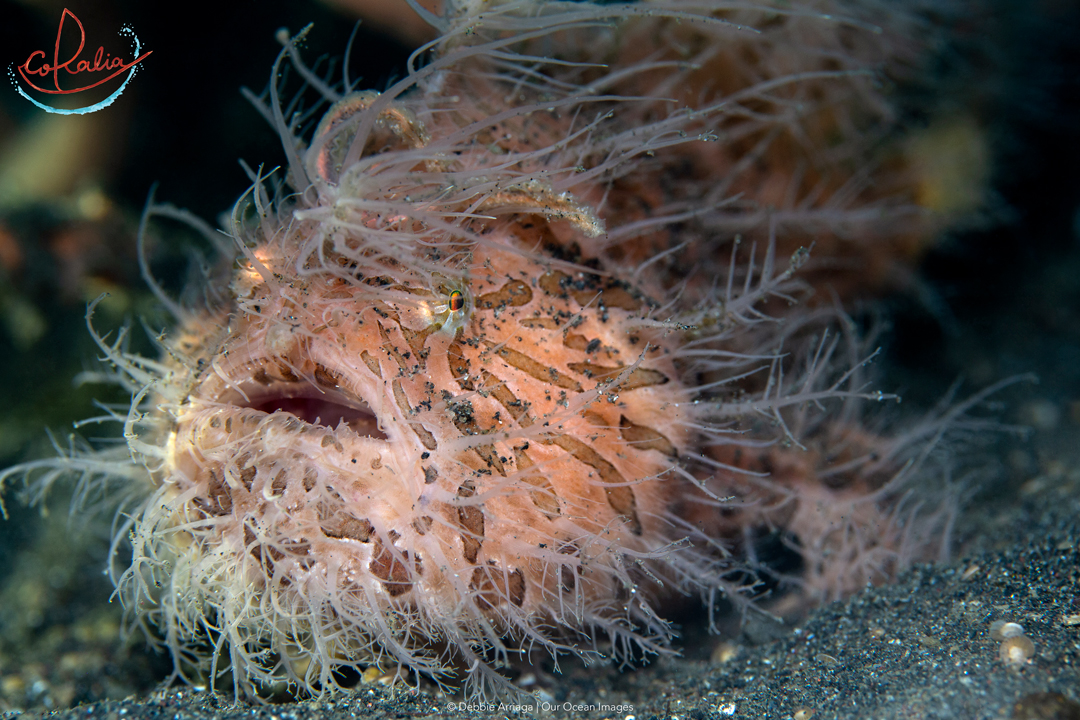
[{"x": 457, "y": 301}]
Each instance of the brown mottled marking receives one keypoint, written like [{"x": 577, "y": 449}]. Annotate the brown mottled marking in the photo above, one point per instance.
[
  {"x": 575, "y": 341},
  {"x": 346, "y": 527},
  {"x": 286, "y": 373},
  {"x": 518, "y": 410},
  {"x": 490, "y": 457},
  {"x": 554, "y": 283},
  {"x": 417, "y": 339},
  {"x": 543, "y": 496},
  {"x": 459, "y": 365},
  {"x": 639, "y": 377},
  {"x": 327, "y": 378},
  {"x": 596, "y": 418},
  {"x": 372, "y": 363},
  {"x": 218, "y": 492},
  {"x": 247, "y": 476},
  {"x": 619, "y": 496},
  {"x": 615, "y": 296},
  {"x": 471, "y": 519},
  {"x": 514, "y": 294},
  {"x": 256, "y": 550},
  {"x": 645, "y": 438},
  {"x": 279, "y": 483},
  {"x": 493, "y": 586},
  {"x": 430, "y": 475},
  {"x": 426, "y": 438},
  {"x": 465, "y": 422},
  {"x": 538, "y": 370},
  {"x": 612, "y": 295},
  {"x": 261, "y": 377},
  {"x": 422, "y": 524},
  {"x": 389, "y": 347},
  {"x": 544, "y": 323},
  {"x": 396, "y": 575},
  {"x": 328, "y": 440},
  {"x": 401, "y": 399}
]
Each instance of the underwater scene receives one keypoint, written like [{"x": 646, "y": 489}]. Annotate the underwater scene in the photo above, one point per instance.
[{"x": 469, "y": 358}]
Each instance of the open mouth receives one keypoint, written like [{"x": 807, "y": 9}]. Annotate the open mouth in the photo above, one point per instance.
[
  {"x": 323, "y": 406},
  {"x": 325, "y": 411}
]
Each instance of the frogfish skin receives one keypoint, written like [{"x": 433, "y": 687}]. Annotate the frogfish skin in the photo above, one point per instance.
[{"x": 517, "y": 351}]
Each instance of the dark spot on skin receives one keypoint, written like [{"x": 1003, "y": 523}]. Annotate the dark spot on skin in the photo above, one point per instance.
[
  {"x": 471, "y": 519},
  {"x": 619, "y": 495},
  {"x": 493, "y": 586},
  {"x": 459, "y": 366},
  {"x": 287, "y": 373},
  {"x": 346, "y": 527},
  {"x": 281, "y": 481},
  {"x": 422, "y": 524},
  {"x": 645, "y": 438},
  {"x": 513, "y": 294},
  {"x": 220, "y": 500},
  {"x": 536, "y": 369},
  {"x": 326, "y": 378},
  {"x": 575, "y": 341},
  {"x": 397, "y": 576},
  {"x": 638, "y": 377}
]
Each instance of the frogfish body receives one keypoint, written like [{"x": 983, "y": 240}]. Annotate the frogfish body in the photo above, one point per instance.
[{"x": 527, "y": 345}]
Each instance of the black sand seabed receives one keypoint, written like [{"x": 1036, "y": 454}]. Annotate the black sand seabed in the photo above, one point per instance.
[{"x": 920, "y": 648}]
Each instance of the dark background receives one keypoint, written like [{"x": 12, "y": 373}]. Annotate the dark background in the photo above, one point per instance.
[{"x": 182, "y": 122}]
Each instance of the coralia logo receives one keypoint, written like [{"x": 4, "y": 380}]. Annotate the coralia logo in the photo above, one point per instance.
[{"x": 89, "y": 71}]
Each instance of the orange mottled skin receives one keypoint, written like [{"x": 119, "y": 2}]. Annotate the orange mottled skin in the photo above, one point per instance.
[{"x": 504, "y": 443}]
